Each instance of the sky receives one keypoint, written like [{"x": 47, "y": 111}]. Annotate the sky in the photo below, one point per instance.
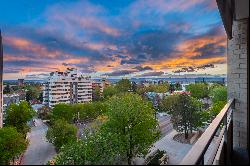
[{"x": 112, "y": 38}]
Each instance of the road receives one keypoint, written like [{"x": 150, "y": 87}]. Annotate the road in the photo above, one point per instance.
[
  {"x": 165, "y": 124},
  {"x": 39, "y": 150}
]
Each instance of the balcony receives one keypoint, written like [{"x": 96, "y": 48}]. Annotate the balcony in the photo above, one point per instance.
[
  {"x": 222, "y": 152},
  {"x": 230, "y": 128}
]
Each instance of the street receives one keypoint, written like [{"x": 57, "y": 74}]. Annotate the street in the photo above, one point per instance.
[{"x": 39, "y": 150}]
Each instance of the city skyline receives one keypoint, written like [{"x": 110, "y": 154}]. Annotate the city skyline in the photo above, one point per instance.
[{"x": 111, "y": 38}]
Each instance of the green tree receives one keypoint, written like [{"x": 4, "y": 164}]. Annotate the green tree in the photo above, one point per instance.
[
  {"x": 219, "y": 93},
  {"x": 95, "y": 150},
  {"x": 124, "y": 85},
  {"x": 96, "y": 93},
  {"x": 198, "y": 90},
  {"x": 160, "y": 88},
  {"x": 7, "y": 89},
  {"x": 17, "y": 115},
  {"x": 185, "y": 111},
  {"x": 61, "y": 133},
  {"x": 131, "y": 124},
  {"x": 177, "y": 86},
  {"x": 216, "y": 108},
  {"x": 40, "y": 98},
  {"x": 109, "y": 91},
  {"x": 33, "y": 92},
  {"x": 12, "y": 144},
  {"x": 62, "y": 111}
]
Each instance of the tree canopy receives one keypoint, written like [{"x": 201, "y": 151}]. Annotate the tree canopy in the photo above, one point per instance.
[
  {"x": 62, "y": 111},
  {"x": 12, "y": 144},
  {"x": 132, "y": 125},
  {"x": 109, "y": 91},
  {"x": 219, "y": 93},
  {"x": 124, "y": 85},
  {"x": 185, "y": 111},
  {"x": 61, "y": 133},
  {"x": 17, "y": 115},
  {"x": 198, "y": 90},
  {"x": 129, "y": 130},
  {"x": 96, "y": 93}
]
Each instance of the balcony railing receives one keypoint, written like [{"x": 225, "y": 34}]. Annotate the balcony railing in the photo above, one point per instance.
[{"x": 222, "y": 150}]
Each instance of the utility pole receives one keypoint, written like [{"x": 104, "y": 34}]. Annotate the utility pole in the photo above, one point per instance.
[{"x": 1, "y": 81}]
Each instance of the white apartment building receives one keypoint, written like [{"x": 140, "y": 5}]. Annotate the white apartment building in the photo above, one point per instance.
[{"x": 67, "y": 87}]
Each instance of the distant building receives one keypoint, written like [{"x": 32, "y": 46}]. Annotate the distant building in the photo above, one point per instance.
[
  {"x": 9, "y": 99},
  {"x": 1, "y": 81},
  {"x": 101, "y": 84},
  {"x": 67, "y": 87},
  {"x": 20, "y": 82}
]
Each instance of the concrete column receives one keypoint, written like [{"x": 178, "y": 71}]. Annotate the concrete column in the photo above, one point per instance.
[{"x": 237, "y": 62}]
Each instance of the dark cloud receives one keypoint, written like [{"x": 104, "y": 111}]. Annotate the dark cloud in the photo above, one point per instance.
[
  {"x": 152, "y": 45},
  {"x": 154, "y": 73},
  {"x": 120, "y": 73},
  {"x": 130, "y": 61},
  {"x": 140, "y": 68},
  {"x": 211, "y": 50}
]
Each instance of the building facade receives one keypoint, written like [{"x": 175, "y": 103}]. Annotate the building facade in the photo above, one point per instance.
[{"x": 67, "y": 87}]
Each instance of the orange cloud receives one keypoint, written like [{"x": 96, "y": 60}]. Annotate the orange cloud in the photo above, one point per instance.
[
  {"x": 190, "y": 48},
  {"x": 26, "y": 45}
]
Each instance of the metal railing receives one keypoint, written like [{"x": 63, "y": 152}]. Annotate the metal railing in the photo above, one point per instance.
[{"x": 224, "y": 142}]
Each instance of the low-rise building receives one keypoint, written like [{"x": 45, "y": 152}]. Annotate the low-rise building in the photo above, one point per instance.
[
  {"x": 101, "y": 84},
  {"x": 8, "y": 99},
  {"x": 67, "y": 87}
]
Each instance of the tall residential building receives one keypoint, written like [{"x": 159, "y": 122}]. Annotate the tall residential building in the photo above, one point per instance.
[
  {"x": 67, "y": 87},
  {"x": 1, "y": 81}
]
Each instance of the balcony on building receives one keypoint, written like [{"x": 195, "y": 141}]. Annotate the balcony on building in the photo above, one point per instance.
[{"x": 231, "y": 126}]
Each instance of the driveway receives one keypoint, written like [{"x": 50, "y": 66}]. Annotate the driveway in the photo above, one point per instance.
[
  {"x": 39, "y": 150},
  {"x": 175, "y": 150}
]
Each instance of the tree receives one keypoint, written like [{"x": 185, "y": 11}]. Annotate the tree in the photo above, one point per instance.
[
  {"x": 177, "y": 86},
  {"x": 32, "y": 92},
  {"x": 219, "y": 99},
  {"x": 198, "y": 90},
  {"x": 40, "y": 98},
  {"x": 7, "y": 89},
  {"x": 216, "y": 108},
  {"x": 95, "y": 150},
  {"x": 62, "y": 111},
  {"x": 124, "y": 85},
  {"x": 96, "y": 93},
  {"x": 17, "y": 115},
  {"x": 109, "y": 91},
  {"x": 219, "y": 93},
  {"x": 12, "y": 144},
  {"x": 43, "y": 112},
  {"x": 185, "y": 111},
  {"x": 131, "y": 124},
  {"x": 171, "y": 88},
  {"x": 160, "y": 88},
  {"x": 61, "y": 133}
]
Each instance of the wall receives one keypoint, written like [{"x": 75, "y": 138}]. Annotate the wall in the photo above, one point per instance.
[{"x": 237, "y": 61}]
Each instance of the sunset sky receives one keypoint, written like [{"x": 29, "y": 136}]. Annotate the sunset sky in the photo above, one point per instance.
[{"x": 113, "y": 38}]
